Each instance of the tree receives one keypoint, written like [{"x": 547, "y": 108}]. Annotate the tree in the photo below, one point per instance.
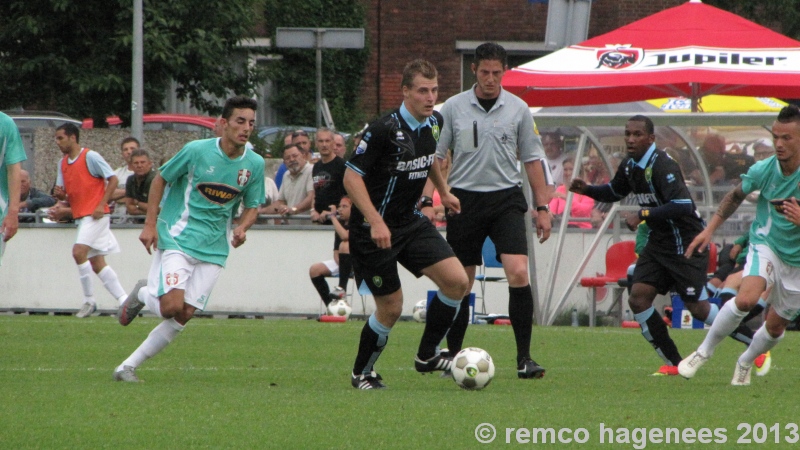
[
  {"x": 295, "y": 75},
  {"x": 781, "y": 15},
  {"x": 75, "y": 55}
]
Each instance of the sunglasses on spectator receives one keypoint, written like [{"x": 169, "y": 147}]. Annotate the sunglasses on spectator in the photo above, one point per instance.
[{"x": 299, "y": 133}]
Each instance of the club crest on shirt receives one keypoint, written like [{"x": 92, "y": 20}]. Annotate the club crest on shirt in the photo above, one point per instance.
[
  {"x": 217, "y": 192},
  {"x": 648, "y": 174},
  {"x": 436, "y": 132},
  {"x": 244, "y": 175}
]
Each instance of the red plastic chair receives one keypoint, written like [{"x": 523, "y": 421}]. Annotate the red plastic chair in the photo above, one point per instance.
[
  {"x": 618, "y": 257},
  {"x": 712, "y": 259}
]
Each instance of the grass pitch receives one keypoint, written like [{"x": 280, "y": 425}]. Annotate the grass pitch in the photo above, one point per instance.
[{"x": 285, "y": 384}]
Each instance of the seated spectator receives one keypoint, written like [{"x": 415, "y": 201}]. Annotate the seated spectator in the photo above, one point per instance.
[
  {"x": 763, "y": 149},
  {"x": 341, "y": 264},
  {"x": 123, "y": 172},
  {"x": 595, "y": 171},
  {"x": 582, "y": 205},
  {"x": 554, "y": 153},
  {"x": 303, "y": 142},
  {"x": 296, "y": 194},
  {"x": 31, "y": 199},
  {"x": 137, "y": 186}
]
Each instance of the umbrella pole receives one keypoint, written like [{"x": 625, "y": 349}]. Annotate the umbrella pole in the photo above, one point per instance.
[{"x": 695, "y": 95}]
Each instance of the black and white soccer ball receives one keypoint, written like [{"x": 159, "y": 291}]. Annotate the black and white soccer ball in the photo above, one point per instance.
[
  {"x": 473, "y": 368},
  {"x": 420, "y": 311},
  {"x": 340, "y": 308}
]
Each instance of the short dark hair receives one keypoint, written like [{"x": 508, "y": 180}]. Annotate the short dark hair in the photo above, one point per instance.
[
  {"x": 71, "y": 130},
  {"x": 789, "y": 113},
  {"x": 129, "y": 139},
  {"x": 287, "y": 147},
  {"x": 490, "y": 52},
  {"x": 421, "y": 67},
  {"x": 648, "y": 124},
  {"x": 140, "y": 152},
  {"x": 238, "y": 102}
]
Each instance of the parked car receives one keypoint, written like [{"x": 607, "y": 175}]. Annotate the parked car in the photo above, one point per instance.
[
  {"x": 270, "y": 134},
  {"x": 175, "y": 122}
]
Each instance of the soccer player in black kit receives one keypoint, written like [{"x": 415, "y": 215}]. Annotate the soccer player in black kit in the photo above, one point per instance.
[
  {"x": 384, "y": 179},
  {"x": 667, "y": 208}
]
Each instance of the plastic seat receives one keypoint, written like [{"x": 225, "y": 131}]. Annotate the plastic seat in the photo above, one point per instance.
[
  {"x": 490, "y": 261},
  {"x": 618, "y": 257}
]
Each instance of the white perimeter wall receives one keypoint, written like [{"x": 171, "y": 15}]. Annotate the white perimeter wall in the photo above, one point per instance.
[{"x": 269, "y": 274}]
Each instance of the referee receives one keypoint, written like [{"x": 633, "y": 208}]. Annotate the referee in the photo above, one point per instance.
[{"x": 485, "y": 127}]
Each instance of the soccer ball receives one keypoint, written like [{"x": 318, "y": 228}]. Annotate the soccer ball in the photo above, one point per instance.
[
  {"x": 339, "y": 308},
  {"x": 473, "y": 368},
  {"x": 420, "y": 311}
]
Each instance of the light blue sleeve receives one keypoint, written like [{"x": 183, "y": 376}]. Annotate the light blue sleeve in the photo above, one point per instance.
[
  {"x": 98, "y": 166},
  {"x": 446, "y": 133}
]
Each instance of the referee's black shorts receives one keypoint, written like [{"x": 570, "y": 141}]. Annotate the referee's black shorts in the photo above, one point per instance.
[
  {"x": 416, "y": 246},
  {"x": 499, "y": 215},
  {"x": 665, "y": 270}
]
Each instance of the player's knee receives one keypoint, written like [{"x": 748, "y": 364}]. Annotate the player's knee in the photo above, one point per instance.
[{"x": 518, "y": 276}]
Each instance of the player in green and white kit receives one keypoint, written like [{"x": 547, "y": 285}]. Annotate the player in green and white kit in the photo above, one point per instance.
[
  {"x": 208, "y": 179},
  {"x": 774, "y": 256},
  {"x": 11, "y": 156}
]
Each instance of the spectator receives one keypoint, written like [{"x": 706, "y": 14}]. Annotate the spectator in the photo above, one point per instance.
[
  {"x": 88, "y": 180},
  {"x": 763, "y": 149},
  {"x": 301, "y": 140},
  {"x": 554, "y": 152},
  {"x": 297, "y": 189},
  {"x": 327, "y": 175},
  {"x": 581, "y": 205},
  {"x": 31, "y": 199},
  {"x": 137, "y": 187},
  {"x": 595, "y": 172},
  {"x": 127, "y": 147},
  {"x": 341, "y": 264},
  {"x": 339, "y": 145},
  {"x": 713, "y": 152}
]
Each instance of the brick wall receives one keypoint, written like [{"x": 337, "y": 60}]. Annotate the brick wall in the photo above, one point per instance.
[{"x": 401, "y": 31}]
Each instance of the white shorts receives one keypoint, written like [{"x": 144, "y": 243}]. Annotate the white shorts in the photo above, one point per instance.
[
  {"x": 332, "y": 267},
  {"x": 783, "y": 278},
  {"x": 97, "y": 235},
  {"x": 172, "y": 269}
]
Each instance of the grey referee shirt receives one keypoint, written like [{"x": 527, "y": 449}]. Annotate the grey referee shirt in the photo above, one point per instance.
[{"x": 485, "y": 143}]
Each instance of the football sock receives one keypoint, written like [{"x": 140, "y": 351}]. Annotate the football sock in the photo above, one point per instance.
[
  {"x": 655, "y": 331},
  {"x": 156, "y": 341},
  {"x": 441, "y": 314},
  {"x": 345, "y": 269},
  {"x": 726, "y": 294},
  {"x": 520, "y": 311},
  {"x": 85, "y": 274},
  {"x": 152, "y": 303},
  {"x": 711, "y": 290},
  {"x": 713, "y": 310},
  {"x": 455, "y": 337},
  {"x": 321, "y": 285},
  {"x": 374, "y": 336},
  {"x": 111, "y": 282},
  {"x": 758, "y": 309},
  {"x": 743, "y": 334},
  {"x": 762, "y": 343},
  {"x": 727, "y": 321}
]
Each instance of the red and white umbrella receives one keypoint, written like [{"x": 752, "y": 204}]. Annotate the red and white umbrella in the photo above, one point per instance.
[{"x": 691, "y": 50}]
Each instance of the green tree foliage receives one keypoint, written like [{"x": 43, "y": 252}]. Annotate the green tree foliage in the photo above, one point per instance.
[
  {"x": 75, "y": 55},
  {"x": 781, "y": 15},
  {"x": 295, "y": 76}
]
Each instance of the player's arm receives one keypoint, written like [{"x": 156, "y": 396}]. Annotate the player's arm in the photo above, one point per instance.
[
  {"x": 246, "y": 220},
  {"x": 11, "y": 221},
  {"x": 357, "y": 191},
  {"x": 729, "y": 204},
  {"x": 149, "y": 235},
  {"x": 436, "y": 178},
  {"x": 111, "y": 185}
]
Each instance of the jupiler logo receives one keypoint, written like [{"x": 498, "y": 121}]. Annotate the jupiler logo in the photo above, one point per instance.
[{"x": 618, "y": 56}]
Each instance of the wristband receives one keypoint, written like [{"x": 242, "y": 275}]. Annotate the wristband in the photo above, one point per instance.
[
  {"x": 545, "y": 208},
  {"x": 425, "y": 202}
]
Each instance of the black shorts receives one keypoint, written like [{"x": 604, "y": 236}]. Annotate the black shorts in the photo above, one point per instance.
[
  {"x": 499, "y": 215},
  {"x": 665, "y": 270},
  {"x": 415, "y": 246}
]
